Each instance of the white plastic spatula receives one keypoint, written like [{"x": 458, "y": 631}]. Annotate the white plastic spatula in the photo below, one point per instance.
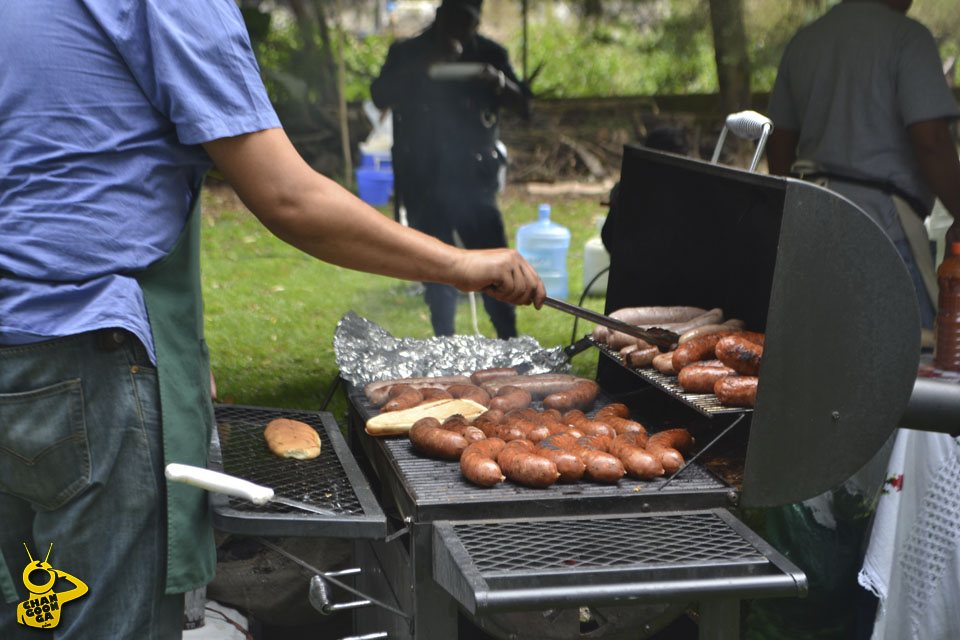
[{"x": 233, "y": 486}]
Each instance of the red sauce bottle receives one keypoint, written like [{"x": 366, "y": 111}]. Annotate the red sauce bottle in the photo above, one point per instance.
[{"x": 946, "y": 354}]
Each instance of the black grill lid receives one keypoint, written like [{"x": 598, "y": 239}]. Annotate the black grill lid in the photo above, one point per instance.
[
  {"x": 799, "y": 262},
  {"x": 842, "y": 350}
]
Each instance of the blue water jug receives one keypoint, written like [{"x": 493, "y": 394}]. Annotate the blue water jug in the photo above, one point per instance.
[{"x": 544, "y": 245}]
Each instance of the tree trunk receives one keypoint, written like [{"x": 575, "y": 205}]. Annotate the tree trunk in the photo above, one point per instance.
[{"x": 730, "y": 47}]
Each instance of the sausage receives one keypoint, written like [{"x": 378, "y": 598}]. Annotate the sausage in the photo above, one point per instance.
[
  {"x": 456, "y": 419},
  {"x": 480, "y": 376},
  {"x": 376, "y": 392},
  {"x": 600, "y": 334},
  {"x": 679, "y": 439},
  {"x": 754, "y": 337},
  {"x": 710, "y": 363},
  {"x": 641, "y": 357},
  {"x": 696, "y": 378},
  {"x": 527, "y": 413},
  {"x": 598, "y": 465},
  {"x": 656, "y": 316},
  {"x": 434, "y": 393},
  {"x": 621, "y": 340},
  {"x": 547, "y": 417},
  {"x": 676, "y": 319},
  {"x": 634, "y": 438},
  {"x": 511, "y": 398},
  {"x": 521, "y": 465},
  {"x": 739, "y": 391},
  {"x": 598, "y": 442},
  {"x": 470, "y": 392},
  {"x": 595, "y": 428},
  {"x": 539, "y": 385},
  {"x": 478, "y": 463},
  {"x": 713, "y": 316},
  {"x": 663, "y": 362},
  {"x": 428, "y": 437},
  {"x": 569, "y": 465},
  {"x": 560, "y": 440},
  {"x": 579, "y": 397},
  {"x": 706, "y": 329},
  {"x": 668, "y": 457},
  {"x": 740, "y": 354},
  {"x": 637, "y": 462},
  {"x": 560, "y": 428},
  {"x": 591, "y": 427},
  {"x": 487, "y": 420},
  {"x": 621, "y": 425},
  {"x": 627, "y": 349},
  {"x": 507, "y": 432},
  {"x": 614, "y": 408},
  {"x": 407, "y": 398},
  {"x": 701, "y": 348},
  {"x": 532, "y": 432},
  {"x": 458, "y": 425}
]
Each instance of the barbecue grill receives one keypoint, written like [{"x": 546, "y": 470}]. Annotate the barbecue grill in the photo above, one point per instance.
[{"x": 796, "y": 261}]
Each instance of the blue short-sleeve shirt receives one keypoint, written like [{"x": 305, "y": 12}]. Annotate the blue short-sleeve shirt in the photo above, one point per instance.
[{"x": 103, "y": 106}]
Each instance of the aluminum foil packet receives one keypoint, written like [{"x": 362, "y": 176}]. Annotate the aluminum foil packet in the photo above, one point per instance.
[{"x": 366, "y": 353}]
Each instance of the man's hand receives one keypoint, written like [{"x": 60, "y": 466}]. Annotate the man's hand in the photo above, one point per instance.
[
  {"x": 500, "y": 273},
  {"x": 494, "y": 77}
]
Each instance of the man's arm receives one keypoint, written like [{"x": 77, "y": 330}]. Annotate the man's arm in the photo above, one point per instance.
[
  {"x": 318, "y": 216},
  {"x": 782, "y": 151},
  {"x": 938, "y": 161}
]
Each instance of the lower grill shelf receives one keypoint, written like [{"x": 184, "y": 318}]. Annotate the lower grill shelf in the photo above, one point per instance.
[{"x": 489, "y": 566}]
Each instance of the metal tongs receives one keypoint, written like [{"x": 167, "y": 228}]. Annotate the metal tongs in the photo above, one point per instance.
[{"x": 660, "y": 338}]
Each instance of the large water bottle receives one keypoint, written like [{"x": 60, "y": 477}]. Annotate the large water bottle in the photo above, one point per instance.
[
  {"x": 544, "y": 245},
  {"x": 595, "y": 260}
]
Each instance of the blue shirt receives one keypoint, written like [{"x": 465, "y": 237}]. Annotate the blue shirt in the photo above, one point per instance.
[{"x": 103, "y": 106}]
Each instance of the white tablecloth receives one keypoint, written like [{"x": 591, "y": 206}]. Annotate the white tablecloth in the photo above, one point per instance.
[{"x": 912, "y": 563}]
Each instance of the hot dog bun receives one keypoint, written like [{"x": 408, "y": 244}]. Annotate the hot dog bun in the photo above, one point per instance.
[{"x": 292, "y": 439}]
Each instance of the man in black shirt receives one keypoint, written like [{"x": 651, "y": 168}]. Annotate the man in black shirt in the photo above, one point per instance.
[{"x": 445, "y": 128}]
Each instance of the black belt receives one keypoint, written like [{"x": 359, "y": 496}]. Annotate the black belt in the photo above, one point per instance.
[{"x": 916, "y": 204}]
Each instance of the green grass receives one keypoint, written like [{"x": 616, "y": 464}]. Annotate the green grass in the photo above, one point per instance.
[{"x": 271, "y": 311}]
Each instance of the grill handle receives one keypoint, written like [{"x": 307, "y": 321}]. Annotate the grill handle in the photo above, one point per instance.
[
  {"x": 319, "y": 596},
  {"x": 219, "y": 483},
  {"x": 748, "y": 125}
]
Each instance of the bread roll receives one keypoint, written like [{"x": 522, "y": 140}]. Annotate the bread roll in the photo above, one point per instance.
[{"x": 292, "y": 439}]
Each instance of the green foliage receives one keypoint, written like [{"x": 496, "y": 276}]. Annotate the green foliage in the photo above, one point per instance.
[
  {"x": 617, "y": 57},
  {"x": 667, "y": 50},
  {"x": 363, "y": 56}
]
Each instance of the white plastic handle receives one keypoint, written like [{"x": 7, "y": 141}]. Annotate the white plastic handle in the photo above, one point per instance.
[
  {"x": 453, "y": 71},
  {"x": 749, "y": 125},
  {"x": 219, "y": 483}
]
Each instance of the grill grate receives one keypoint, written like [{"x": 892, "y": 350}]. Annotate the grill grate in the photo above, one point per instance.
[
  {"x": 321, "y": 482},
  {"x": 700, "y": 538},
  {"x": 706, "y": 403},
  {"x": 439, "y": 483}
]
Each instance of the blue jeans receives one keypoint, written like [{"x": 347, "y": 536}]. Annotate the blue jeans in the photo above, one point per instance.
[{"x": 81, "y": 466}]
